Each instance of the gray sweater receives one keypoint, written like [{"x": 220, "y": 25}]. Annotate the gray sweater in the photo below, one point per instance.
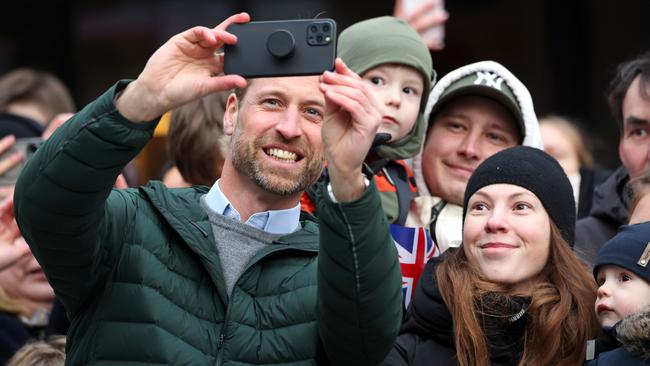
[{"x": 236, "y": 243}]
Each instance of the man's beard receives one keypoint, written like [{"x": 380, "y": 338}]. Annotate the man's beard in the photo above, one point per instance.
[{"x": 281, "y": 182}]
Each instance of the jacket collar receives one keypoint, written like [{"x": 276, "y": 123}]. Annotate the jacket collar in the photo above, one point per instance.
[
  {"x": 608, "y": 200},
  {"x": 182, "y": 210}
]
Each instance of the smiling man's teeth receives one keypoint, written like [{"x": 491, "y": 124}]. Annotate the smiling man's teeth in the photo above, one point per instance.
[{"x": 282, "y": 154}]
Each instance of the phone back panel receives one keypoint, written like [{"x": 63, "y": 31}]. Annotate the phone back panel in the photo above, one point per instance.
[
  {"x": 311, "y": 55},
  {"x": 27, "y": 146}
]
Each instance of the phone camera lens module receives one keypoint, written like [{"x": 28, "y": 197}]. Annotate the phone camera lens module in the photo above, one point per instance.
[{"x": 320, "y": 33}]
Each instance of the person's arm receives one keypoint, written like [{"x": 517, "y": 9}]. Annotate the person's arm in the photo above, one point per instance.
[
  {"x": 403, "y": 351},
  {"x": 63, "y": 202},
  {"x": 359, "y": 278},
  {"x": 64, "y": 205}
]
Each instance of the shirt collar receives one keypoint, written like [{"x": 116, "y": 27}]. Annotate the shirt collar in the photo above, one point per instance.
[{"x": 272, "y": 221}]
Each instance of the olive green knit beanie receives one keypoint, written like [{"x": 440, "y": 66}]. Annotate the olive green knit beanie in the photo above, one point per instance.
[{"x": 389, "y": 40}]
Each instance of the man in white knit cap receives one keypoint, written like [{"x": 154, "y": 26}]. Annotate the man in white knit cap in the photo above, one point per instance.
[{"x": 473, "y": 112}]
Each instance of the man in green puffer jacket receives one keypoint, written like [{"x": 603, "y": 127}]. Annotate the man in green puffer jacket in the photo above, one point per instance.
[{"x": 230, "y": 275}]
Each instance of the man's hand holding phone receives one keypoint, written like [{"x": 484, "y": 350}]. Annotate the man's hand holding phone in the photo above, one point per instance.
[
  {"x": 185, "y": 68},
  {"x": 352, "y": 117},
  {"x": 190, "y": 65}
]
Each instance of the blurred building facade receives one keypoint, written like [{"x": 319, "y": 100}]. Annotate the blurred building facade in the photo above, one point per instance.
[{"x": 564, "y": 51}]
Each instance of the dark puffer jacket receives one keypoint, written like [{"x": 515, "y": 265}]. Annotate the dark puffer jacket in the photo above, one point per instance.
[
  {"x": 13, "y": 335},
  {"x": 589, "y": 180},
  {"x": 139, "y": 274},
  {"x": 426, "y": 337},
  {"x": 608, "y": 213},
  {"x": 632, "y": 347}
]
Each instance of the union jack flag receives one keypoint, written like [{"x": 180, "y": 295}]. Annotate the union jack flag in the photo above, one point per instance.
[{"x": 414, "y": 247}]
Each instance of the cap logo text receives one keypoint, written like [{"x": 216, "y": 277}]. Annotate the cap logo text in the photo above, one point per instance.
[{"x": 488, "y": 79}]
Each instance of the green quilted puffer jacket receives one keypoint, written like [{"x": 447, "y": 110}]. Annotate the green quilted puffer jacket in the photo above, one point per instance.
[{"x": 140, "y": 276}]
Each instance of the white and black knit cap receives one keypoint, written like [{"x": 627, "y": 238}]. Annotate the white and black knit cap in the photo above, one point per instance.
[
  {"x": 629, "y": 249},
  {"x": 485, "y": 84},
  {"x": 487, "y": 79},
  {"x": 536, "y": 171}
]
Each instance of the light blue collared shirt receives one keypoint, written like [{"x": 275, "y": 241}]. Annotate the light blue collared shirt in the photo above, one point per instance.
[{"x": 272, "y": 221}]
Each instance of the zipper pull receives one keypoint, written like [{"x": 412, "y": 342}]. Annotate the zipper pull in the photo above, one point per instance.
[
  {"x": 388, "y": 177},
  {"x": 222, "y": 338}
]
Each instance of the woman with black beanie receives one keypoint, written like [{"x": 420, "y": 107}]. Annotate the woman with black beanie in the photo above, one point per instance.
[{"x": 513, "y": 293}]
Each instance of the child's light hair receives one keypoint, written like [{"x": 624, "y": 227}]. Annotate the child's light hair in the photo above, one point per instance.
[{"x": 50, "y": 352}]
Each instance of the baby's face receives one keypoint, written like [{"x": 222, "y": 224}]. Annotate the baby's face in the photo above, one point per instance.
[
  {"x": 620, "y": 293},
  {"x": 398, "y": 90}
]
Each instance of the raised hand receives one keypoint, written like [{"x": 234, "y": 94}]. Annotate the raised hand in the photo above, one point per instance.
[
  {"x": 12, "y": 244},
  {"x": 425, "y": 16},
  {"x": 183, "y": 69},
  {"x": 12, "y": 160},
  {"x": 352, "y": 117}
]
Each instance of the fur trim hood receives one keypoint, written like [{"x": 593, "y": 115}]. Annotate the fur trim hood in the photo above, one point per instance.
[{"x": 633, "y": 333}]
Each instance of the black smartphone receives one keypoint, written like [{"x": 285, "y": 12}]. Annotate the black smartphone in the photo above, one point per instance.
[
  {"x": 281, "y": 48},
  {"x": 28, "y": 147}
]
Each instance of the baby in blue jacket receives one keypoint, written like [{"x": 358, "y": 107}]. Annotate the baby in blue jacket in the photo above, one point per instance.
[{"x": 622, "y": 271}]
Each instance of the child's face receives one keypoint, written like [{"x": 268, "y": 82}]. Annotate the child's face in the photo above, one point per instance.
[
  {"x": 620, "y": 294},
  {"x": 399, "y": 89}
]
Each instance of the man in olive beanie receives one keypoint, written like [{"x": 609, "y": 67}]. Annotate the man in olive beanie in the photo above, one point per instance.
[{"x": 391, "y": 56}]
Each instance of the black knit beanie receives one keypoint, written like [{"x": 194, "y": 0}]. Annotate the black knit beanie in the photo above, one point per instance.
[{"x": 536, "y": 171}]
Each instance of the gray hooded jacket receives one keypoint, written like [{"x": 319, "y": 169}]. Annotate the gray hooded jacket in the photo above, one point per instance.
[{"x": 447, "y": 223}]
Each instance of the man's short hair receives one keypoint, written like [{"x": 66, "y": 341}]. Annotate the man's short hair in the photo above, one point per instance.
[
  {"x": 39, "y": 87},
  {"x": 240, "y": 93},
  {"x": 625, "y": 75}
]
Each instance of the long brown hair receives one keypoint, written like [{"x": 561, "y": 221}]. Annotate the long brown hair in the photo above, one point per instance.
[
  {"x": 561, "y": 317},
  {"x": 41, "y": 88}
]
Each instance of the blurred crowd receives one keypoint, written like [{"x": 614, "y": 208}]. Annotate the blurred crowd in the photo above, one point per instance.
[{"x": 520, "y": 249}]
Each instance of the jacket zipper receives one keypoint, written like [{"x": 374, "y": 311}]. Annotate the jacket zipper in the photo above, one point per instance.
[
  {"x": 222, "y": 336},
  {"x": 435, "y": 212},
  {"x": 220, "y": 342}
]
